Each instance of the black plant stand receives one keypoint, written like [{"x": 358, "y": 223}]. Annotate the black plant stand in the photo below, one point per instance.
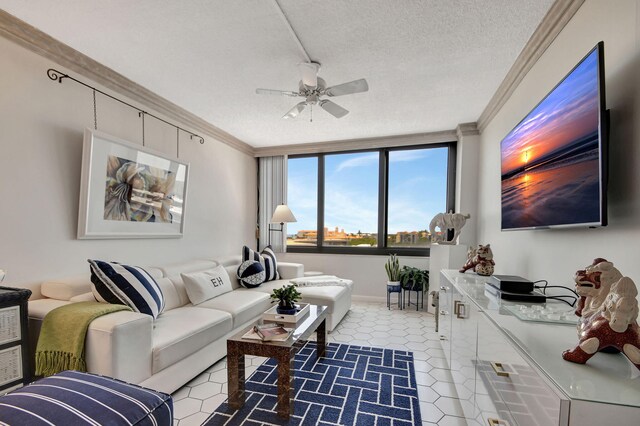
[
  {"x": 395, "y": 289},
  {"x": 419, "y": 297}
]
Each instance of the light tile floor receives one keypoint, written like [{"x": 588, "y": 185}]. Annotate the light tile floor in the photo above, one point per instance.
[{"x": 368, "y": 324}]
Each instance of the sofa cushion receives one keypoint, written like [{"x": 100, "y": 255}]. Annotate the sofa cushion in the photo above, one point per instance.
[
  {"x": 185, "y": 267},
  {"x": 39, "y": 308},
  {"x": 129, "y": 285},
  {"x": 172, "y": 272},
  {"x": 325, "y": 295},
  {"x": 233, "y": 260},
  {"x": 180, "y": 332},
  {"x": 205, "y": 285},
  {"x": 288, "y": 270},
  {"x": 174, "y": 297},
  {"x": 267, "y": 258},
  {"x": 85, "y": 297},
  {"x": 232, "y": 271},
  {"x": 155, "y": 272},
  {"x": 251, "y": 274},
  {"x": 243, "y": 305},
  {"x": 65, "y": 289}
]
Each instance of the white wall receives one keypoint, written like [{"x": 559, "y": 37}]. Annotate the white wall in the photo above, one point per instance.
[
  {"x": 41, "y": 131},
  {"x": 556, "y": 254},
  {"x": 366, "y": 271},
  {"x": 467, "y": 169}
]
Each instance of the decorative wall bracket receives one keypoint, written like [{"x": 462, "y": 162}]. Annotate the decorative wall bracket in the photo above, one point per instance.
[{"x": 59, "y": 76}]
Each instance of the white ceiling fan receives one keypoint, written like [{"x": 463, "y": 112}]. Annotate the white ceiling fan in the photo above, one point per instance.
[{"x": 312, "y": 87}]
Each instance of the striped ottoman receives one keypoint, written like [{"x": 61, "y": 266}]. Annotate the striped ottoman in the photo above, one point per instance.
[{"x": 74, "y": 398}]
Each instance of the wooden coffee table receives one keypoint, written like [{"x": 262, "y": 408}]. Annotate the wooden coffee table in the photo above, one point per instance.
[{"x": 283, "y": 352}]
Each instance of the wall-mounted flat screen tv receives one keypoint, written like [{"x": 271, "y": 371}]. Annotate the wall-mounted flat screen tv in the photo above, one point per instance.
[{"x": 554, "y": 161}]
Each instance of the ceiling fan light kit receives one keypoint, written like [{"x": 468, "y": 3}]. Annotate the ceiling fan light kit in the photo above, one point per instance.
[
  {"x": 312, "y": 87},
  {"x": 309, "y": 72}
]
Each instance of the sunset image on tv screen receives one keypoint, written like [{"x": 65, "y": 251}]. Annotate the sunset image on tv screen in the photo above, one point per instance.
[{"x": 550, "y": 161}]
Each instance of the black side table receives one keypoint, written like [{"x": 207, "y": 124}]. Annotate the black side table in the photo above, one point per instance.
[{"x": 15, "y": 368}]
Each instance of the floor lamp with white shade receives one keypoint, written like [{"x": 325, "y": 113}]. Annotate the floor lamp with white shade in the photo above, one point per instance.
[{"x": 281, "y": 215}]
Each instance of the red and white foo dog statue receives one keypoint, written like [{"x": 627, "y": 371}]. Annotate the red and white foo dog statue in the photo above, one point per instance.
[{"x": 609, "y": 310}]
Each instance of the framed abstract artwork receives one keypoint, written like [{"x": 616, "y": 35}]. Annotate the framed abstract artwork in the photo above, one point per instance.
[{"x": 128, "y": 191}]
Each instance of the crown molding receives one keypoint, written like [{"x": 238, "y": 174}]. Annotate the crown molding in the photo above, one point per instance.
[
  {"x": 467, "y": 129},
  {"x": 551, "y": 25},
  {"x": 358, "y": 144},
  {"x": 44, "y": 45}
]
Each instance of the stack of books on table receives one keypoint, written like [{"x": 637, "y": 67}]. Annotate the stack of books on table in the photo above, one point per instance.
[{"x": 269, "y": 333}]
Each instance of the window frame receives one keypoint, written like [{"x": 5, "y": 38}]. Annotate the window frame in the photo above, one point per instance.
[{"x": 383, "y": 191}]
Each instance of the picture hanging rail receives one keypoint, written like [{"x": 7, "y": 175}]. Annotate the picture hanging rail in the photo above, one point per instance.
[{"x": 58, "y": 76}]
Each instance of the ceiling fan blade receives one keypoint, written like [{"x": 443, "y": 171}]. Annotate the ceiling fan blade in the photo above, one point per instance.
[
  {"x": 356, "y": 86},
  {"x": 293, "y": 112},
  {"x": 276, "y": 92},
  {"x": 334, "y": 109},
  {"x": 309, "y": 73}
]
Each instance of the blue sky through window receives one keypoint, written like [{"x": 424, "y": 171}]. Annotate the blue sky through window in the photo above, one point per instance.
[
  {"x": 302, "y": 193},
  {"x": 351, "y": 192},
  {"x": 417, "y": 190}
]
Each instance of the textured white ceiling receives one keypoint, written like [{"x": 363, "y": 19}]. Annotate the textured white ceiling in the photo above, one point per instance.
[{"x": 430, "y": 64}]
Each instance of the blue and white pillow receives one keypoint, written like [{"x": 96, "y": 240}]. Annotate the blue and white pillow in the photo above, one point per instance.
[
  {"x": 126, "y": 285},
  {"x": 267, "y": 258},
  {"x": 251, "y": 274}
]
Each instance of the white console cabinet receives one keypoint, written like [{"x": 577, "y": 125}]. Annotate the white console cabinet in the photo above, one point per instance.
[
  {"x": 444, "y": 256},
  {"x": 510, "y": 372}
]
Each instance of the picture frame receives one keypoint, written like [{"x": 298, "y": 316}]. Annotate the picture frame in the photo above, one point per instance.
[{"x": 129, "y": 191}]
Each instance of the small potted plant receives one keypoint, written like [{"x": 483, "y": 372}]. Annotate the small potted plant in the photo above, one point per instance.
[
  {"x": 287, "y": 297},
  {"x": 393, "y": 273},
  {"x": 414, "y": 279}
]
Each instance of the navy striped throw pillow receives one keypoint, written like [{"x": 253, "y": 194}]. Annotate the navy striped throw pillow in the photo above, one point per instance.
[
  {"x": 251, "y": 274},
  {"x": 126, "y": 285},
  {"x": 267, "y": 258}
]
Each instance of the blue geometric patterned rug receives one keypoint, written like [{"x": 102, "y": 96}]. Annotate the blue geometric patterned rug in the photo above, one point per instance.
[{"x": 351, "y": 386}]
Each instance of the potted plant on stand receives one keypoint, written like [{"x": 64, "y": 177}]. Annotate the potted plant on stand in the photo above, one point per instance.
[
  {"x": 414, "y": 279},
  {"x": 393, "y": 280},
  {"x": 393, "y": 273},
  {"x": 287, "y": 297}
]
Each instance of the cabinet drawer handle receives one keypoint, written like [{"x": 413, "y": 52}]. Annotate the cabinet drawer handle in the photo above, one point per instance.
[
  {"x": 443, "y": 288},
  {"x": 499, "y": 369},
  {"x": 444, "y": 313},
  {"x": 497, "y": 422},
  {"x": 460, "y": 309}
]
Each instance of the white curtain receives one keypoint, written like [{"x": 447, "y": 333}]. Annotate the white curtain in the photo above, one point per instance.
[{"x": 273, "y": 191}]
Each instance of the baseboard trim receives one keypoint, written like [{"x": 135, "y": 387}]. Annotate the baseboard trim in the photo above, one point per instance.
[
  {"x": 380, "y": 299},
  {"x": 360, "y": 298}
]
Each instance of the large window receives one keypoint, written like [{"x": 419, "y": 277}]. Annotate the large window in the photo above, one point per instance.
[
  {"x": 417, "y": 191},
  {"x": 376, "y": 201},
  {"x": 351, "y": 199},
  {"x": 302, "y": 198}
]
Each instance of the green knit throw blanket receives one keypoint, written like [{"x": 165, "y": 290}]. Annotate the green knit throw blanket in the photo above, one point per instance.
[{"x": 61, "y": 341}]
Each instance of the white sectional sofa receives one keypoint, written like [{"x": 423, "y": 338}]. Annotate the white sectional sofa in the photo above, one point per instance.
[{"x": 185, "y": 339}]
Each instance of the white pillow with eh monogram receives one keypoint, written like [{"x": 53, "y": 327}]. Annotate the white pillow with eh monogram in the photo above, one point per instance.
[{"x": 205, "y": 285}]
